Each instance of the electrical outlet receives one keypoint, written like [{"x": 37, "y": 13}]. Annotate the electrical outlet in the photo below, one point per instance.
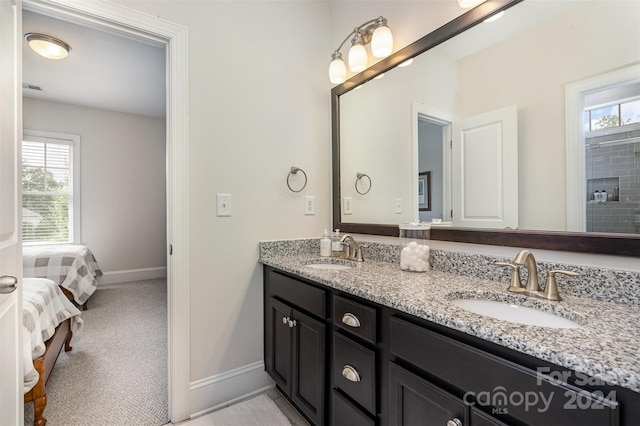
[
  {"x": 309, "y": 205},
  {"x": 397, "y": 206},
  {"x": 223, "y": 203},
  {"x": 346, "y": 205}
]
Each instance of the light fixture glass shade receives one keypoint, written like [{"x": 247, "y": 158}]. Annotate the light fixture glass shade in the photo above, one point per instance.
[
  {"x": 337, "y": 71},
  {"x": 47, "y": 46},
  {"x": 357, "y": 58},
  {"x": 465, "y": 4},
  {"x": 382, "y": 42},
  {"x": 495, "y": 17}
]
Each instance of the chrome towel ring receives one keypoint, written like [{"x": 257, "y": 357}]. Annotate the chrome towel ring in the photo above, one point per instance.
[
  {"x": 294, "y": 170},
  {"x": 360, "y": 176}
]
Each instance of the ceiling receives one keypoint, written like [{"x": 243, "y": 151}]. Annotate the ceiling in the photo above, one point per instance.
[{"x": 103, "y": 70}]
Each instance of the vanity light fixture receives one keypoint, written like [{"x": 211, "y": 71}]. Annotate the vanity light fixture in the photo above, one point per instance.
[
  {"x": 47, "y": 46},
  {"x": 375, "y": 31}
]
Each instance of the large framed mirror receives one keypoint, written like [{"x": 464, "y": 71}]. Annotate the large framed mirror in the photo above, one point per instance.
[{"x": 547, "y": 64}]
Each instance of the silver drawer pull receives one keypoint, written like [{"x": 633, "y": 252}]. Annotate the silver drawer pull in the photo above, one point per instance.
[
  {"x": 285, "y": 320},
  {"x": 351, "y": 320},
  {"x": 350, "y": 373},
  {"x": 454, "y": 422}
]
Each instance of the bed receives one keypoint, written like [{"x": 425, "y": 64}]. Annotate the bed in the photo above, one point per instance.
[
  {"x": 49, "y": 320},
  {"x": 72, "y": 266}
]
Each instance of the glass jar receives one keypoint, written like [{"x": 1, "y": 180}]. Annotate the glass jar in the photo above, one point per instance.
[{"x": 414, "y": 250}]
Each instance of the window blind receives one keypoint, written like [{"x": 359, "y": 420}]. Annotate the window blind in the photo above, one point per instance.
[{"x": 47, "y": 195}]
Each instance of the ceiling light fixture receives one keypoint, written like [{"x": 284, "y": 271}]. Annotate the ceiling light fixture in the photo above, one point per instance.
[
  {"x": 377, "y": 32},
  {"x": 47, "y": 46}
]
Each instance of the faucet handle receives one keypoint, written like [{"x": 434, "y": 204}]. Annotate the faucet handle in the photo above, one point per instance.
[
  {"x": 516, "y": 283},
  {"x": 551, "y": 287}
]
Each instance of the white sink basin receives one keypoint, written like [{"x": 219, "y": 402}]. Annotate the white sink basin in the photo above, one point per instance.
[
  {"x": 514, "y": 313},
  {"x": 332, "y": 266}
]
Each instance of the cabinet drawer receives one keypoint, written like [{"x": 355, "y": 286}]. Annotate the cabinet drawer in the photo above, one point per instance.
[
  {"x": 355, "y": 318},
  {"x": 354, "y": 371},
  {"x": 345, "y": 413},
  {"x": 473, "y": 371},
  {"x": 305, "y": 296}
]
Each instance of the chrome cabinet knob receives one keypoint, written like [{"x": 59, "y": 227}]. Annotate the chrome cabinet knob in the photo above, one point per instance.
[
  {"x": 351, "y": 320},
  {"x": 454, "y": 422},
  {"x": 292, "y": 323},
  {"x": 285, "y": 320},
  {"x": 8, "y": 283},
  {"x": 350, "y": 373}
]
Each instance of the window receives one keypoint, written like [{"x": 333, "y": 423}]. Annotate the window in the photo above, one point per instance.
[
  {"x": 50, "y": 188},
  {"x": 616, "y": 115}
]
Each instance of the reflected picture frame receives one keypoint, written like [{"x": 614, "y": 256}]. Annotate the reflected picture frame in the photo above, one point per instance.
[{"x": 424, "y": 191}]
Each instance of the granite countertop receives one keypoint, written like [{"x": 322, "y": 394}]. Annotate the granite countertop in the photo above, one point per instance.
[{"x": 607, "y": 346}]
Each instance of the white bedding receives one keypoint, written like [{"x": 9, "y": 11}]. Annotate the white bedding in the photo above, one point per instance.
[
  {"x": 72, "y": 266},
  {"x": 44, "y": 307}
]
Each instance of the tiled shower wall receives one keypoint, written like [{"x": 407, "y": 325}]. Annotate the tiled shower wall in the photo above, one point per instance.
[{"x": 606, "y": 168}]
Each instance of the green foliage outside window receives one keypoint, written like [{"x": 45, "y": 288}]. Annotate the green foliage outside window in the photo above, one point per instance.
[{"x": 45, "y": 203}]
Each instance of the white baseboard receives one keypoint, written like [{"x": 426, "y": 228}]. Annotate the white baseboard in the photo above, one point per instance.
[
  {"x": 218, "y": 391},
  {"x": 114, "y": 277}
]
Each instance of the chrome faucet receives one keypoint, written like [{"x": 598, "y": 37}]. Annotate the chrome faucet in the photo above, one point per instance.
[
  {"x": 532, "y": 288},
  {"x": 352, "y": 250}
]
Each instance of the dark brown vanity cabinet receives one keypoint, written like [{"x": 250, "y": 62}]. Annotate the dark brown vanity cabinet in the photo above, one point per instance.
[
  {"x": 295, "y": 342},
  {"x": 446, "y": 379},
  {"x": 346, "y": 361}
]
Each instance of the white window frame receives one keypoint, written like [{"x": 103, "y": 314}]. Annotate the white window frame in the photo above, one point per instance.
[{"x": 75, "y": 236}]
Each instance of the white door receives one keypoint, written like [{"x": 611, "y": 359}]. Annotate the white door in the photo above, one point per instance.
[
  {"x": 11, "y": 399},
  {"x": 485, "y": 170}
]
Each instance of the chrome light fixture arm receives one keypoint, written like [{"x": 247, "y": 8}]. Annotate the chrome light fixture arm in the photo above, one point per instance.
[{"x": 364, "y": 34}]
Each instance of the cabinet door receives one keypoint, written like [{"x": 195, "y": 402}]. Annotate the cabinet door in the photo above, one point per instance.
[
  {"x": 308, "y": 381},
  {"x": 278, "y": 341},
  {"x": 478, "y": 418},
  {"x": 415, "y": 401}
]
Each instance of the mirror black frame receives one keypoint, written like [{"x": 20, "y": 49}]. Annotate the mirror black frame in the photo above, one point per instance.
[{"x": 615, "y": 244}]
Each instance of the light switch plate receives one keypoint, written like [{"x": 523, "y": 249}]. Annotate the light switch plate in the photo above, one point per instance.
[
  {"x": 397, "y": 206},
  {"x": 346, "y": 205},
  {"x": 309, "y": 205},
  {"x": 223, "y": 203}
]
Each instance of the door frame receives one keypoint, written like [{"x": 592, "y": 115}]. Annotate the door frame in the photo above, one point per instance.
[
  {"x": 576, "y": 155},
  {"x": 445, "y": 119},
  {"x": 150, "y": 29}
]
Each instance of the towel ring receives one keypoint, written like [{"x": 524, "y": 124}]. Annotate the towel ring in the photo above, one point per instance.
[
  {"x": 295, "y": 170},
  {"x": 360, "y": 176}
]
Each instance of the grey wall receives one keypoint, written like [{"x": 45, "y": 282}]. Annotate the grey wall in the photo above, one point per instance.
[{"x": 122, "y": 166}]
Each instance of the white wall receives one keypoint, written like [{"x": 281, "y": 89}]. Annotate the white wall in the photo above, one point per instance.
[
  {"x": 258, "y": 103},
  {"x": 122, "y": 166}
]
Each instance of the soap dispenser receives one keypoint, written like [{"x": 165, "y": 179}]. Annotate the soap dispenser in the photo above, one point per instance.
[
  {"x": 325, "y": 245},
  {"x": 336, "y": 245}
]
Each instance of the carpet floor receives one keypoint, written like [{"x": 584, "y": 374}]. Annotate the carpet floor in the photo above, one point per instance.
[{"x": 116, "y": 373}]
